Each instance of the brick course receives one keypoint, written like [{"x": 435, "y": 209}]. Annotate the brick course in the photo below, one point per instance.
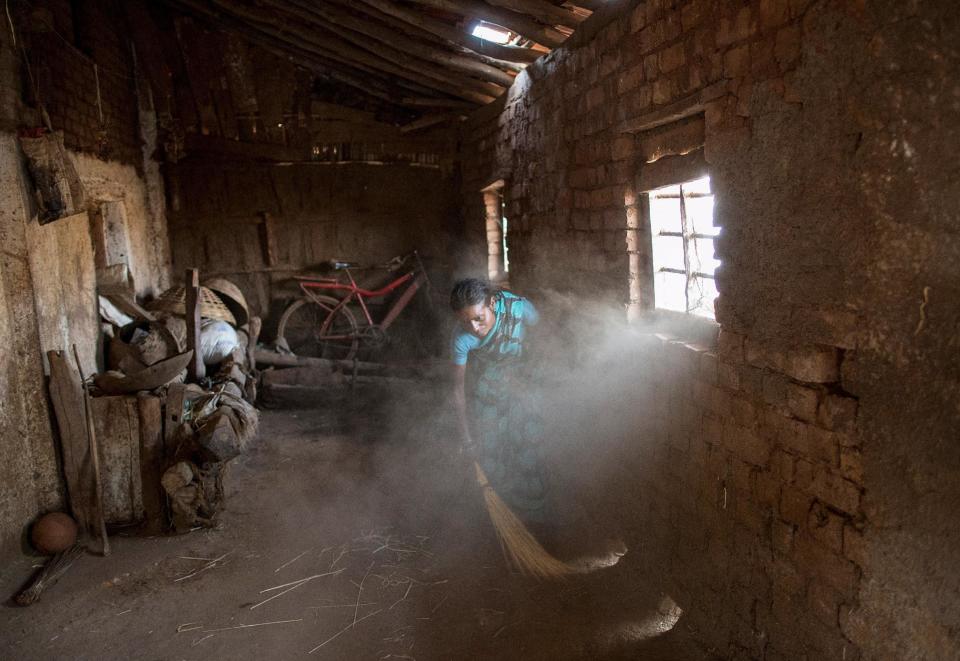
[
  {"x": 772, "y": 461},
  {"x": 67, "y": 83}
]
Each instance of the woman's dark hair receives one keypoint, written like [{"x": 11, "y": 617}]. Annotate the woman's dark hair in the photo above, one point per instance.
[{"x": 470, "y": 291}]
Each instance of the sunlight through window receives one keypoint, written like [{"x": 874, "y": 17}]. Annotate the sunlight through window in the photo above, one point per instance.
[
  {"x": 661, "y": 621},
  {"x": 490, "y": 32},
  {"x": 684, "y": 265}
]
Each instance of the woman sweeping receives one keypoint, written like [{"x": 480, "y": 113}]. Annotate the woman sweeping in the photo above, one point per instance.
[{"x": 502, "y": 427}]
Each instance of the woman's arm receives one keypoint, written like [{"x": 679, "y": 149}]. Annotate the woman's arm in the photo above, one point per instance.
[
  {"x": 460, "y": 403},
  {"x": 531, "y": 316}
]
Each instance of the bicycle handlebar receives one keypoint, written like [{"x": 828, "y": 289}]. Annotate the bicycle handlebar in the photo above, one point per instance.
[
  {"x": 391, "y": 264},
  {"x": 400, "y": 260}
]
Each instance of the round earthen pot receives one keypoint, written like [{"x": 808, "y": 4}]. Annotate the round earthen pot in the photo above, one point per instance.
[{"x": 53, "y": 533}]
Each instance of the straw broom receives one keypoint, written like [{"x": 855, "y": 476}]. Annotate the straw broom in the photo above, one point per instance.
[
  {"x": 53, "y": 570},
  {"x": 520, "y": 548}
]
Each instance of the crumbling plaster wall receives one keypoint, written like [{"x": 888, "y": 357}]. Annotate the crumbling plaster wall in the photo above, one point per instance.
[
  {"x": 29, "y": 469},
  {"x": 109, "y": 159},
  {"x": 796, "y": 485},
  {"x": 144, "y": 212}
]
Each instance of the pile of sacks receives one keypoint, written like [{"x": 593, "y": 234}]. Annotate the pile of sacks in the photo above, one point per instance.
[
  {"x": 213, "y": 427},
  {"x": 206, "y": 424}
]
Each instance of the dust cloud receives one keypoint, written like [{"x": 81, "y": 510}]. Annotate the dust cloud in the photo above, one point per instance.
[{"x": 389, "y": 485}]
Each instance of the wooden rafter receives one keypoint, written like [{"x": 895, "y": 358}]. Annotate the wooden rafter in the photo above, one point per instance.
[
  {"x": 387, "y": 36},
  {"x": 522, "y": 24},
  {"x": 415, "y": 67},
  {"x": 340, "y": 42},
  {"x": 429, "y": 120},
  {"x": 543, "y": 11},
  {"x": 357, "y": 75},
  {"x": 592, "y": 5},
  {"x": 400, "y": 53},
  {"x": 452, "y": 33},
  {"x": 429, "y": 102},
  {"x": 363, "y": 9},
  {"x": 321, "y": 41}
]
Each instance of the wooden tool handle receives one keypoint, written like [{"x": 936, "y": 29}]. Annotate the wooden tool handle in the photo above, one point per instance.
[
  {"x": 481, "y": 476},
  {"x": 95, "y": 456}
]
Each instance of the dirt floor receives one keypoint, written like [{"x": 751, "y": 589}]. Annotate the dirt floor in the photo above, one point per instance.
[{"x": 390, "y": 534}]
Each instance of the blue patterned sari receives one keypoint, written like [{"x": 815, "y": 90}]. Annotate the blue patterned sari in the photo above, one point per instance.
[{"x": 505, "y": 406}]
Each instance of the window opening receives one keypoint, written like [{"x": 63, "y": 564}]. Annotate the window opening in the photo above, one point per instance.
[
  {"x": 683, "y": 234},
  {"x": 498, "y": 262},
  {"x": 503, "y": 229}
]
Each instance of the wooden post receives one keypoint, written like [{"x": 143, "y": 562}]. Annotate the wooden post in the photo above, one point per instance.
[
  {"x": 268, "y": 238},
  {"x": 151, "y": 459},
  {"x": 66, "y": 392},
  {"x": 254, "y": 326},
  {"x": 195, "y": 369},
  {"x": 95, "y": 457}
]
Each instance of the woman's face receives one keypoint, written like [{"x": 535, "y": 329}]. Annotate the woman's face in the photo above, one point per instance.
[{"x": 477, "y": 319}]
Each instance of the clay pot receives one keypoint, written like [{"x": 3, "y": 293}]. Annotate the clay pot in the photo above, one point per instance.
[{"x": 53, "y": 533}]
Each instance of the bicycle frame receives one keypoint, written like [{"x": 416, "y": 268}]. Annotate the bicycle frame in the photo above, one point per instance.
[{"x": 416, "y": 279}]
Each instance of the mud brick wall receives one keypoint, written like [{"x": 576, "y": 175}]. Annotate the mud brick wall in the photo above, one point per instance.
[
  {"x": 795, "y": 485},
  {"x": 106, "y": 117},
  {"x": 356, "y": 212},
  {"x": 95, "y": 109},
  {"x": 750, "y": 493}
]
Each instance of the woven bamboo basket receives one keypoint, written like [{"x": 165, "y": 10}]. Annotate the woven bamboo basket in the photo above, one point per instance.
[
  {"x": 232, "y": 297},
  {"x": 174, "y": 301}
]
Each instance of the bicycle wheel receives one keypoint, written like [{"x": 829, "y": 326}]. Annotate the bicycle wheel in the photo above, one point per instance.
[{"x": 301, "y": 326}]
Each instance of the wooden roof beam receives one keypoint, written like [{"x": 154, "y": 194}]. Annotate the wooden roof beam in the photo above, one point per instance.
[
  {"x": 337, "y": 48},
  {"x": 545, "y": 12},
  {"x": 522, "y": 24},
  {"x": 429, "y": 120},
  {"x": 422, "y": 34},
  {"x": 284, "y": 50},
  {"x": 357, "y": 46},
  {"x": 373, "y": 80},
  {"x": 453, "y": 34},
  {"x": 429, "y": 102},
  {"x": 592, "y": 5},
  {"x": 401, "y": 42},
  {"x": 412, "y": 30}
]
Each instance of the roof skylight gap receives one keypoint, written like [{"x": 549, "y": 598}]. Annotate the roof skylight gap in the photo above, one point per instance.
[{"x": 493, "y": 33}]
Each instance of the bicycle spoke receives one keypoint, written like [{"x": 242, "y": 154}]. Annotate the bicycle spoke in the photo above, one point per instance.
[{"x": 310, "y": 330}]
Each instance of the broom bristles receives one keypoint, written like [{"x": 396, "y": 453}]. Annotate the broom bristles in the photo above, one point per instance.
[{"x": 521, "y": 548}]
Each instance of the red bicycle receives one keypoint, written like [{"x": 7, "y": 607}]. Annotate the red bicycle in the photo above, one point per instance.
[{"x": 323, "y": 322}]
